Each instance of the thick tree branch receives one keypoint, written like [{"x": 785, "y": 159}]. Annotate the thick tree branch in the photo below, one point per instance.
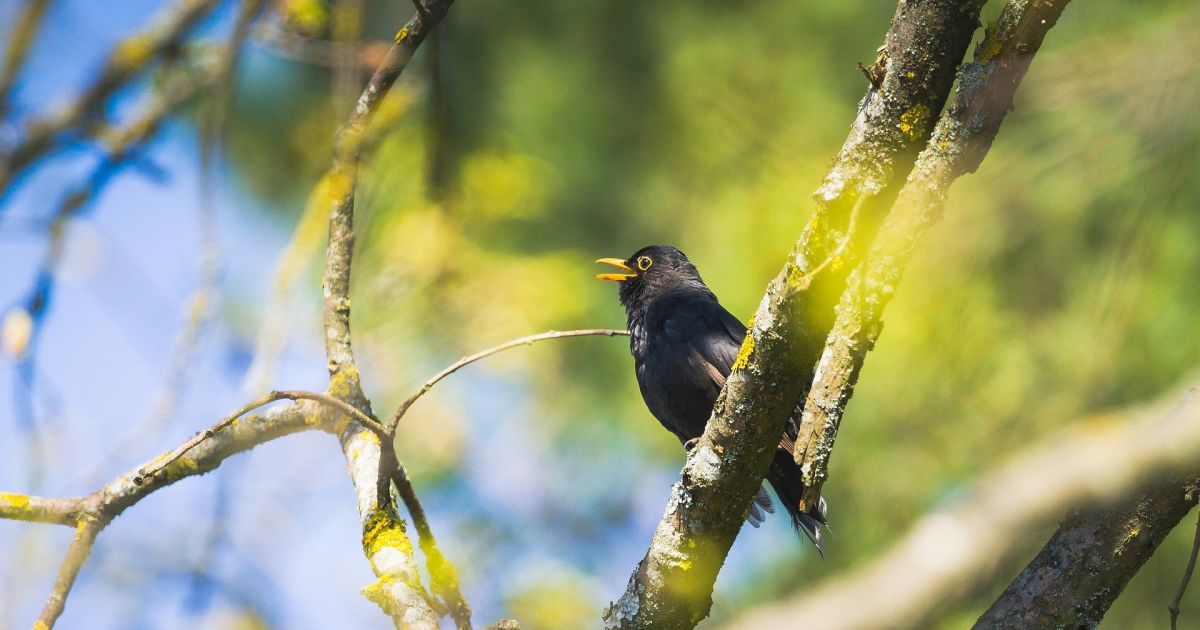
[
  {"x": 945, "y": 557},
  {"x": 672, "y": 586},
  {"x": 960, "y": 140},
  {"x": 1084, "y": 567}
]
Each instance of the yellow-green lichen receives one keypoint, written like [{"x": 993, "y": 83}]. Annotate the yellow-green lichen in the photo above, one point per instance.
[
  {"x": 375, "y": 593},
  {"x": 309, "y": 17},
  {"x": 180, "y": 468},
  {"x": 743, "y": 355},
  {"x": 385, "y": 529},
  {"x": 18, "y": 501},
  {"x": 912, "y": 122},
  {"x": 40, "y": 625},
  {"x": 991, "y": 46},
  {"x": 344, "y": 382},
  {"x": 133, "y": 52}
]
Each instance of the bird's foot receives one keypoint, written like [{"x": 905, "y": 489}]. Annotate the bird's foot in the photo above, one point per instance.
[{"x": 691, "y": 444}]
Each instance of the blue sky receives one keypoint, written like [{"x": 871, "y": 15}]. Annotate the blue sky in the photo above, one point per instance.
[{"x": 289, "y": 538}]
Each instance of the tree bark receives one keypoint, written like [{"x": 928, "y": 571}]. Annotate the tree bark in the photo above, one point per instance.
[
  {"x": 672, "y": 585},
  {"x": 1082, "y": 570}
]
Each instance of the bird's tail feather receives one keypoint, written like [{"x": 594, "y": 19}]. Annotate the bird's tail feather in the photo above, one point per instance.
[{"x": 785, "y": 479}]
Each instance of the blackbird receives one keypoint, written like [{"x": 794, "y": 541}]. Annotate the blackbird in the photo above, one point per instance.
[{"x": 684, "y": 344}]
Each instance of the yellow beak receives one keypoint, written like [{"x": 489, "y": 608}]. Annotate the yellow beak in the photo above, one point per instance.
[{"x": 616, "y": 277}]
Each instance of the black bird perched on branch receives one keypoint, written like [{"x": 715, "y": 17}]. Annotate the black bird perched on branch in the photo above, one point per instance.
[{"x": 684, "y": 344}]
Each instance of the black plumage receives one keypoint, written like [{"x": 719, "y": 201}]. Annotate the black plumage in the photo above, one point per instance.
[{"x": 684, "y": 344}]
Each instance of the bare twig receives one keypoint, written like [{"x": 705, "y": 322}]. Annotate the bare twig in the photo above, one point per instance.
[
  {"x": 359, "y": 416},
  {"x": 86, "y": 531},
  {"x": 217, "y": 77},
  {"x": 944, "y": 556},
  {"x": 483, "y": 354},
  {"x": 1173, "y": 608},
  {"x": 201, "y": 454},
  {"x": 319, "y": 52}
]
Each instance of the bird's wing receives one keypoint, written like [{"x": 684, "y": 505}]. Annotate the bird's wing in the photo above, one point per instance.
[{"x": 710, "y": 333}]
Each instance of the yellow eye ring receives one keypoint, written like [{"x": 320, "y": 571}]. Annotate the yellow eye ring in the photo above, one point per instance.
[{"x": 644, "y": 262}]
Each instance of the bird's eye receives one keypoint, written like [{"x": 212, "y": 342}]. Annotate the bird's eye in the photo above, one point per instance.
[{"x": 644, "y": 262}]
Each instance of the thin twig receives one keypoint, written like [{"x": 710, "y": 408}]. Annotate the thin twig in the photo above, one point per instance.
[
  {"x": 126, "y": 61},
  {"x": 20, "y": 38},
  {"x": 370, "y": 423},
  {"x": 1187, "y": 576},
  {"x": 520, "y": 341},
  {"x": 92, "y": 513},
  {"x": 216, "y": 78},
  {"x": 319, "y": 52},
  {"x": 443, "y": 578},
  {"x": 81, "y": 547}
]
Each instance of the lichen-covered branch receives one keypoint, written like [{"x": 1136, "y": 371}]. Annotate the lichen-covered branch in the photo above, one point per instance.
[
  {"x": 1078, "y": 575},
  {"x": 672, "y": 586},
  {"x": 397, "y": 591},
  {"x": 945, "y": 557},
  {"x": 339, "y": 195},
  {"x": 372, "y": 462},
  {"x": 205, "y": 452},
  {"x": 26, "y": 507},
  {"x": 960, "y": 140},
  {"x": 126, "y": 60}
]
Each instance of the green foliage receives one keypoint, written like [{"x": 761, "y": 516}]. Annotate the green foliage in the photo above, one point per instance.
[{"x": 1061, "y": 284}]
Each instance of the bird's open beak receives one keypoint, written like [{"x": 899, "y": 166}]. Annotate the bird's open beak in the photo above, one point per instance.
[{"x": 616, "y": 277}]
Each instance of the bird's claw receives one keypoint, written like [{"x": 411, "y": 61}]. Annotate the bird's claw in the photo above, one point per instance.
[{"x": 691, "y": 444}]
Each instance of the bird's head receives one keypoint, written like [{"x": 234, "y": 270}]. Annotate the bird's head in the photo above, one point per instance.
[{"x": 653, "y": 271}]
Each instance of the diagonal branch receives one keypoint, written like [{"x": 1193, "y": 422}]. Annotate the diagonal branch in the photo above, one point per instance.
[
  {"x": 960, "y": 141},
  {"x": 372, "y": 462},
  {"x": 1087, "y": 563},
  {"x": 672, "y": 586},
  {"x": 940, "y": 561},
  {"x": 203, "y": 453}
]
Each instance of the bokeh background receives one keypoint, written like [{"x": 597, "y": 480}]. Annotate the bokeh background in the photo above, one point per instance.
[{"x": 1062, "y": 284}]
